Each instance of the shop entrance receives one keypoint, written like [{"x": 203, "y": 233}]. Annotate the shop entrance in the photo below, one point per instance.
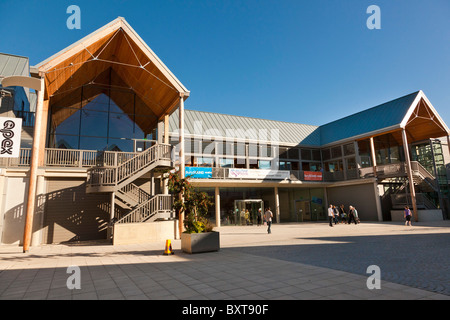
[
  {"x": 303, "y": 210},
  {"x": 246, "y": 212}
]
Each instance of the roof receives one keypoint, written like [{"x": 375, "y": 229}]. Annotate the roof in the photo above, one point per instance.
[
  {"x": 382, "y": 118},
  {"x": 386, "y": 115},
  {"x": 208, "y": 124},
  {"x": 111, "y": 27},
  {"x": 12, "y": 65}
]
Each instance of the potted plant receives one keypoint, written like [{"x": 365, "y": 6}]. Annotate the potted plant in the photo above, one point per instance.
[{"x": 198, "y": 235}]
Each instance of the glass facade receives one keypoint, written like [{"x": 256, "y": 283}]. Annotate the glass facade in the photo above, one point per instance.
[
  {"x": 296, "y": 204},
  {"x": 95, "y": 118}
]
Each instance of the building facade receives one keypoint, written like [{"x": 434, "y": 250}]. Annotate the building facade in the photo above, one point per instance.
[{"x": 110, "y": 123}]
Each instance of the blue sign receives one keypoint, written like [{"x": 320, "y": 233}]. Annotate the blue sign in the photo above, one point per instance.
[{"x": 198, "y": 172}]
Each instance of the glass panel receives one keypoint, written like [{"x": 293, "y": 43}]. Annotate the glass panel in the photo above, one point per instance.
[
  {"x": 336, "y": 152},
  {"x": 326, "y": 155},
  {"x": 265, "y": 150},
  {"x": 349, "y": 149},
  {"x": 94, "y": 123},
  {"x": 100, "y": 103},
  {"x": 71, "y": 122},
  {"x": 121, "y": 145},
  {"x": 93, "y": 143},
  {"x": 208, "y": 147},
  {"x": 306, "y": 154},
  {"x": 264, "y": 164},
  {"x": 283, "y": 153},
  {"x": 226, "y": 163},
  {"x": 121, "y": 125},
  {"x": 253, "y": 150},
  {"x": 65, "y": 142},
  {"x": 316, "y": 155},
  {"x": 294, "y": 153}
]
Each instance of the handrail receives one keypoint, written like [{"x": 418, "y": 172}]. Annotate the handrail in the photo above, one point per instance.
[
  {"x": 135, "y": 193},
  {"x": 147, "y": 209},
  {"x": 113, "y": 176}
]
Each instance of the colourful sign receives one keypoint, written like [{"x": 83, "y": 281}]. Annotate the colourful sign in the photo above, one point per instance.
[
  {"x": 313, "y": 175},
  {"x": 198, "y": 172}
]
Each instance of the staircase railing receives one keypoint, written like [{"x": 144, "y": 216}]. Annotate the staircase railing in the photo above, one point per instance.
[
  {"x": 113, "y": 176},
  {"x": 159, "y": 204}
]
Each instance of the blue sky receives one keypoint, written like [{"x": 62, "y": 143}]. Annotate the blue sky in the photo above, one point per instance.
[{"x": 301, "y": 61}]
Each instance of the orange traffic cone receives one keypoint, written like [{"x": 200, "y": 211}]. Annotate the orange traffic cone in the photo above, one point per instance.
[{"x": 168, "y": 249}]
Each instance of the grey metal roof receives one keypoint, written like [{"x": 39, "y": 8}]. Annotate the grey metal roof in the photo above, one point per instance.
[
  {"x": 209, "y": 124},
  {"x": 12, "y": 65},
  {"x": 383, "y": 116},
  {"x": 216, "y": 125}
]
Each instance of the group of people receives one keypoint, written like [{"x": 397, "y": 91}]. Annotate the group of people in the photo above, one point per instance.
[{"x": 339, "y": 215}]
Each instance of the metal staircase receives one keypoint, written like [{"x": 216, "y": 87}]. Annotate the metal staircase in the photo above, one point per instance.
[
  {"x": 138, "y": 204},
  {"x": 110, "y": 179}
]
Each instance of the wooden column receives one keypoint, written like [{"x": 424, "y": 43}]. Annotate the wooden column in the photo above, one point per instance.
[
  {"x": 374, "y": 159},
  {"x": 277, "y": 205},
  {"x": 166, "y": 129},
  {"x": 31, "y": 198},
  {"x": 181, "y": 156},
  {"x": 410, "y": 176},
  {"x": 43, "y": 133},
  {"x": 217, "y": 194}
]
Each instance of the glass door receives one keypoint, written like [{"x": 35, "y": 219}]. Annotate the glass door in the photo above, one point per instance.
[
  {"x": 246, "y": 212},
  {"x": 303, "y": 210}
]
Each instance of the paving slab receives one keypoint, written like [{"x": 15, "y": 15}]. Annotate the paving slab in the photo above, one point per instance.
[{"x": 296, "y": 261}]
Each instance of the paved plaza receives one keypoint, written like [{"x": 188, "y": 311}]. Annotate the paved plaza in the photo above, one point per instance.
[{"x": 297, "y": 261}]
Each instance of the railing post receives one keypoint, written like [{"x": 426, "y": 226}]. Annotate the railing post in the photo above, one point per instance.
[{"x": 80, "y": 160}]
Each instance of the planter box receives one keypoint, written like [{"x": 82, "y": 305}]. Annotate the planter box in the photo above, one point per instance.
[{"x": 200, "y": 242}]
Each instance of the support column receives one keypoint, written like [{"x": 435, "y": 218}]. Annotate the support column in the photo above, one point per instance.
[
  {"x": 448, "y": 144},
  {"x": 217, "y": 207},
  {"x": 277, "y": 205},
  {"x": 377, "y": 201},
  {"x": 410, "y": 176},
  {"x": 374, "y": 159},
  {"x": 181, "y": 157},
  {"x": 31, "y": 199},
  {"x": 160, "y": 131},
  {"x": 166, "y": 129}
]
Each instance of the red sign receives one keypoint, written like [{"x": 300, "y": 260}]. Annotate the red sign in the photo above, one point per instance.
[{"x": 313, "y": 175}]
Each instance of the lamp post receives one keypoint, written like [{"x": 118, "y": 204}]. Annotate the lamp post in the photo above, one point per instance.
[{"x": 38, "y": 85}]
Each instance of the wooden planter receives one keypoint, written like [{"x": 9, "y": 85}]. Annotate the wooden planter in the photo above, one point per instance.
[{"x": 200, "y": 242}]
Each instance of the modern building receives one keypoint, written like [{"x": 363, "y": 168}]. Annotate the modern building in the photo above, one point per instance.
[{"x": 110, "y": 122}]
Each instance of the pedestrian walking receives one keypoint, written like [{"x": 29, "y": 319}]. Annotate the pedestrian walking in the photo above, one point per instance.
[
  {"x": 268, "y": 217},
  {"x": 259, "y": 217},
  {"x": 330, "y": 215},
  {"x": 407, "y": 216},
  {"x": 351, "y": 215},
  {"x": 336, "y": 215},
  {"x": 343, "y": 214}
]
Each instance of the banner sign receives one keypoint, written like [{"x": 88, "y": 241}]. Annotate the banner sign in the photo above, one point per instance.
[
  {"x": 10, "y": 131},
  {"x": 312, "y": 176},
  {"x": 258, "y": 174},
  {"x": 198, "y": 172}
]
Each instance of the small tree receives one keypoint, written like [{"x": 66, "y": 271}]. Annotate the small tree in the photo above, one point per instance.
[{"x": 193, "y": 203}]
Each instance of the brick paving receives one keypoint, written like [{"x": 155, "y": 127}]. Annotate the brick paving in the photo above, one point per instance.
[{"x": 297, "y": 261}]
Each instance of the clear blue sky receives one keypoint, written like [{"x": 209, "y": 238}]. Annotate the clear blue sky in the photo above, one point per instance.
[{"x": 291, "y": 60}]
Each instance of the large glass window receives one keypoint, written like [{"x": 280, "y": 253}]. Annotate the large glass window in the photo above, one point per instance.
[{"x": 99, "y": 118}]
